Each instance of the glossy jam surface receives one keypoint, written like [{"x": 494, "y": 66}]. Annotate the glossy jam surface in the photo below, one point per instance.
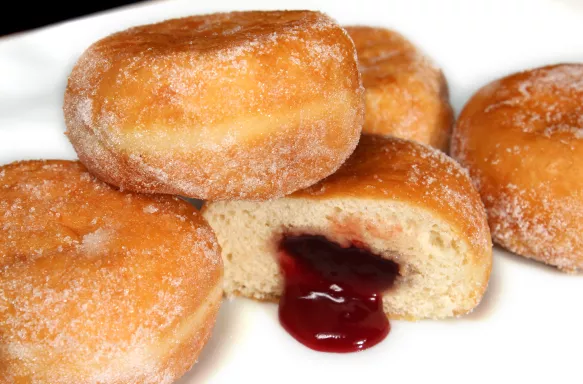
[{"x": 332, "y": 299}]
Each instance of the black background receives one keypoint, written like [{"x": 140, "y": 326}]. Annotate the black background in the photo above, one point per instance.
[{"x": 21, "y": 15}]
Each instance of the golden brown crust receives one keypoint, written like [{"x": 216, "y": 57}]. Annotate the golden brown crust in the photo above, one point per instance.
[
  {"x": 521, "y": 137},
  {"x": 97, "y": 285},
  {"x": 391, "y": 168},
  {"x": 237, "y": 105},
  {"x": 406, "y": 96}
]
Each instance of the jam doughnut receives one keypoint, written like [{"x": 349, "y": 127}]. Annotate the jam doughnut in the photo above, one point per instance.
[
  {"x": 521, "y": 138},
  {"x": 406, "y": 96},
  {"x": 395, "y": 201},
  {"x": 97, "y": 285},
  {"x": 242, "y": 105}
]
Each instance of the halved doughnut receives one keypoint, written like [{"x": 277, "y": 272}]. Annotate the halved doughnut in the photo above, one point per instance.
[{"x": 397, "y": 199}]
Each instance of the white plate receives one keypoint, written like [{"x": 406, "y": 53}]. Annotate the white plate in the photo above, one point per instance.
[{"x": 529, "y": 327}]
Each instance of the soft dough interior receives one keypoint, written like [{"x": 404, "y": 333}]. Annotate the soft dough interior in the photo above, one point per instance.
[{"x": 436, "y": 276}]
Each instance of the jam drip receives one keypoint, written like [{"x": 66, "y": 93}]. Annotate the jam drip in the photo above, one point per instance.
[{"x": 332, "y": 299}]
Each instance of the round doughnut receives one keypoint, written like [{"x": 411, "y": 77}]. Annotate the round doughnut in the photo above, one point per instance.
[
  {"x": 401, "y": 200},
  {"x": 521, "y": 137},
  {"x": 243, "y": 105},
  {"x": 97, "y": 285},
  {"x": 406, "y": 96}
]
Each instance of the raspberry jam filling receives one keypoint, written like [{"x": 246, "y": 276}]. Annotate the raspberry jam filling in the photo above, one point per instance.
[{"x": 332, "y": 299}]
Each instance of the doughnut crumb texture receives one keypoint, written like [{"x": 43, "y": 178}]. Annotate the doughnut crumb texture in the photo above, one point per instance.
[
  {"x": 242, "y": 105},
  {"x": 403, "y": 201},
  {"x": 406, "y": 96},
  {"x": 98, "y": 285},
  {"x": 521, "y": 138}
]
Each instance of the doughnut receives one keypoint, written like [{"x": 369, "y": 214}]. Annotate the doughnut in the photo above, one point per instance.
[
  {"x": 521, "y": 138},
  {"x": 405, "y": 203},
  {"x": 406, "y": 96},
  {"x": 242, "y": 105},
  {"x": 98, "y": 285}
]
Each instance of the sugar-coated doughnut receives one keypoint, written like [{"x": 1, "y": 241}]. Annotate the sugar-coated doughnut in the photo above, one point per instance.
[
  {"x": 521, "y": 137},
  {"x": 242, "y": 105},
  {"x": 406, "y": 96},
  {"x": 401, "y": 200},
  {"x": 100, "y": 286}
]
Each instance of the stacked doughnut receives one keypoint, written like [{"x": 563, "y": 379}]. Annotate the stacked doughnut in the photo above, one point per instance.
[{"x": 243, "y": 105}]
